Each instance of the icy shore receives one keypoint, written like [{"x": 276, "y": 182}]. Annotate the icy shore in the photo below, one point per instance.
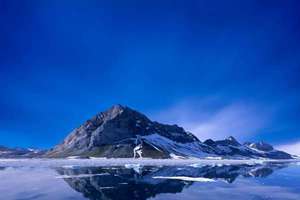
[{"x": 124, "y": 161}]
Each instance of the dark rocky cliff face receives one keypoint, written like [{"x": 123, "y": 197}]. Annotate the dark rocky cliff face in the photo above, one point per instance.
[{"x": 121, "y": 132}]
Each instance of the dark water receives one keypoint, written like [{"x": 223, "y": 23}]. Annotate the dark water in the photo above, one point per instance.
[{"x": 245, "y": 182}]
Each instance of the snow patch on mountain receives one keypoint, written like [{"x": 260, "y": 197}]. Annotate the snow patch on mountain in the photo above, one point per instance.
[
  {"x": 176, "y": 149},
  {"x": 137, "y": 151}
]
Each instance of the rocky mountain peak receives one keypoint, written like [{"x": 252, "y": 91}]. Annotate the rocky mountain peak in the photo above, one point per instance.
[
  {"x": 118, "y": 108},
  {"x": 227, "y": 141},
  {"x": 232, "y": 140},
  {"x": 111, "y": 113}
]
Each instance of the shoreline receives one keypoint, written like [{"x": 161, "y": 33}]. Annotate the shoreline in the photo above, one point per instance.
[{"x": 98, "y": 162}]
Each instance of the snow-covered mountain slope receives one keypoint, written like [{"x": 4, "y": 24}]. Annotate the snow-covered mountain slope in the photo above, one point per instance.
[
  {"x": 122, "y": 132},
  {"x": 176, "y": 149}
]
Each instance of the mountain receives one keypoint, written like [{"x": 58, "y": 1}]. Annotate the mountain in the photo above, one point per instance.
[
  {"x": 121, "y": 132},
  {"x": 230, "y": 147},
  {"x": 6, "y": 152}
]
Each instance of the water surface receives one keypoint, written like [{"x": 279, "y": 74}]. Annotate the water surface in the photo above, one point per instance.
[{"x": 132, "y": 181}]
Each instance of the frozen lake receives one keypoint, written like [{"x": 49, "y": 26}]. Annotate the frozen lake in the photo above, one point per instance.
[{"x": 149, "y": 179}]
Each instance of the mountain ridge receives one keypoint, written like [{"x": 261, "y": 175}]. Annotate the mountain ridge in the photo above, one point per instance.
[{"x": 122, "y": 132}]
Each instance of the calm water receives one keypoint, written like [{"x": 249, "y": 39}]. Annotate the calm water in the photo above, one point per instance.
[{"x": 245, "y": 182}]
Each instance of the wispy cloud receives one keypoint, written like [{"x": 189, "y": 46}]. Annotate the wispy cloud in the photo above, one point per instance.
[
  {"x": 292, "y": 148},
  {"x": 216, "y": 121}
]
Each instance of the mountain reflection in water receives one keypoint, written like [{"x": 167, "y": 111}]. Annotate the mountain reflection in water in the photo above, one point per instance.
[{"x": 135, "y": 182}]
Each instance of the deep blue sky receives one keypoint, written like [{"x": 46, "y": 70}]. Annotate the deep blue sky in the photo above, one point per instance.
[{"x": 215, "y": 67}]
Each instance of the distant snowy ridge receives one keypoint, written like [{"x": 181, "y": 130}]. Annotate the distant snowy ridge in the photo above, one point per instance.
[{"x": 6, "y": 152}]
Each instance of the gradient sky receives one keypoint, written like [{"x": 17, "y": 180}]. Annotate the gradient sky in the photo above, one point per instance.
[{"x": 218, "y": 68}]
